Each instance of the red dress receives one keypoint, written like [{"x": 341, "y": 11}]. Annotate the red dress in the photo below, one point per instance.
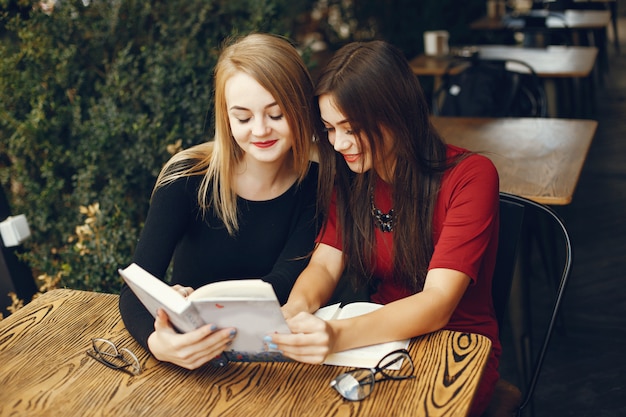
[{"x": 465, "y": 236}]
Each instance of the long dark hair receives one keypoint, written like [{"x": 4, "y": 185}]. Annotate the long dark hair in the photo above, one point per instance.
[{"x": 373, "y": 86}]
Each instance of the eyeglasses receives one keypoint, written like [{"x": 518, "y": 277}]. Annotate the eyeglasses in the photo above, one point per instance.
[
  {"x": 105, "y": 352},
  {"x": 357, "y": 384}
]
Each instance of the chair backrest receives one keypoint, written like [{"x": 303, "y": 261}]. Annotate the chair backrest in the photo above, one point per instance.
[
  {"x": 559, "y": 4},
  {"x": 511, "y": 219},
  {"x": 547, "y": 26},
  {"x": 479, "y": 87},
  {"x": 531, "y": 211}
]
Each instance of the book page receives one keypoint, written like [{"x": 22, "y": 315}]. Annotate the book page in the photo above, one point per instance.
[
  {"x": 253, "y": 289},
  {"x": 366, "y": 356},
  {"x": 253, "y": 319},
  {"x": 329, "y": 312}
]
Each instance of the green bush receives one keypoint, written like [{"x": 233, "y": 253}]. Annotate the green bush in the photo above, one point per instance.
[
  {"x": 403, "y": 22},
  {"x": 92, "y": 94}
]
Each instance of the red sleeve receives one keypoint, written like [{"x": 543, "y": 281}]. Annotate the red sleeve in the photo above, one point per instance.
[
  {"x": 465, "y": 227},
  {"x": 331, "y": 234}
]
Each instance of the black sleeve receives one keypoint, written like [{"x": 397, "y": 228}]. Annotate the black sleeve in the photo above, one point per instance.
[
  {"x": 295, "y": 255},
  {"x": 166, "y": 222}
]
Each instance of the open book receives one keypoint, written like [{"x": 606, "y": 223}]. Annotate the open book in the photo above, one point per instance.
[
  {"x": 363, "y": 357},
  {"x": 249, "y": 305}
]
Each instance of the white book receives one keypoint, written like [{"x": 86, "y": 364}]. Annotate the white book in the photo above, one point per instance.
[
  {"x": 249, "y": 305},
  {"x": 363, "y": 357}
]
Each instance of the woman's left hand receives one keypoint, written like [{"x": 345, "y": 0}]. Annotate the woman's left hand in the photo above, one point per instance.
[{"x": 311, "y": 340}]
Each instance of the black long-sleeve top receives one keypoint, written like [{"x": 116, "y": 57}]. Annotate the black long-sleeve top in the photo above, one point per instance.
[{"x": 272, "y": 243}]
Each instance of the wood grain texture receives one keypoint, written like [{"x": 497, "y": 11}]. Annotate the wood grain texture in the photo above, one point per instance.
[
  {"x": 45, "y": 372},
  {"x": 537, "y": 158}
]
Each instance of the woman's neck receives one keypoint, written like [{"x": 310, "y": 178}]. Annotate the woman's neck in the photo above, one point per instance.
[{"x": 260, "y": 181}]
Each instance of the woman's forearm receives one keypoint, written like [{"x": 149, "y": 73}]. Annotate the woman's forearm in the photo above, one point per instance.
[
  {"x": 316, "y": 283},
  {"x": 421, "y": 313},
  {"x": 311, "y": 290}
]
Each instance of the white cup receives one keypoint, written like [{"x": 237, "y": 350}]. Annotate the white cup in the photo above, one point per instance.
[
  {"x": 496, "y": 8},
  {"x": 523, "y": 6},
  {"x": 436, "y": 42}
]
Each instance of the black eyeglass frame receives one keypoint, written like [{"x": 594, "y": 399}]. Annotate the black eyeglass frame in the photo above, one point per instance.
[
  {"x": 108, "y": 358},
  {"x": 380, "y": 368}
]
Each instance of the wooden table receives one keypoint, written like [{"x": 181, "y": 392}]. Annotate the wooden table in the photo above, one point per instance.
[
  {"x": 45, "y": 372},
  {"x": 572, "y": 19},
  {"x": 587, "y": 27},
  {"x": 536, "y": 158},
  {"x": 550, "y": 62},
  {"x": 612, "y": 7},
  {"x": 565, "y": 70}
]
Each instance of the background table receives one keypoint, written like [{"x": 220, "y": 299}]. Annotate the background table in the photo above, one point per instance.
[
  {"x": 586, "y": 27},
  {"x": 550, "y": 62},
  {"x": 45, "y": 372},
  {"x": 536, "y": 158},
  {"x": 571, "y": 66},
  {"x": 611, "y": 5},
  {"x": 574, "y": 19}
]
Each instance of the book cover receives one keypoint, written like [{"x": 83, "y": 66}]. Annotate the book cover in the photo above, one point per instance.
[{"x": 249, "y": 305}]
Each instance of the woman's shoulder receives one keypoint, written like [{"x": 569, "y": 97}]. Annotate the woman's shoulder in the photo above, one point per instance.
[
  {"x": 472, "y": 167},
  {"x": 187, "y": 166},
  {"x": 193, "y": 159},
  {"x": 184, "y": 186},
  {"x": 468, "y": 159}
]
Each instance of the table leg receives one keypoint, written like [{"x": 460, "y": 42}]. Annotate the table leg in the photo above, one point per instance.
[
  {"x": 553, "y": 99},
  {"x": 519, "y": 316},
  {"x": 613, "y": 9}
]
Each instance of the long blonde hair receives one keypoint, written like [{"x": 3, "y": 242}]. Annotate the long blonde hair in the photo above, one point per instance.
[{"x": 276, "y": 65}]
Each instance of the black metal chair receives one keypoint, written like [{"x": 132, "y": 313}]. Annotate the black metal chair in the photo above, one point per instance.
[
  {"x": 562, "y": 5},
  {"x": 476, "y": 87},
  {"x": 540, "y": 27},
  {"x": 517, "y": 214},
  {"x": 15, "y": 275}
]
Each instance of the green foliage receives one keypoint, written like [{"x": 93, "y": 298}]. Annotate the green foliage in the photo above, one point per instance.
[
  {"x": 400, "y": 22},
  {"x": 90, "y": 98}
]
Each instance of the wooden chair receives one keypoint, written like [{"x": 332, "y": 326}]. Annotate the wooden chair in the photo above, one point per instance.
[{"x": 515, "y": 214}]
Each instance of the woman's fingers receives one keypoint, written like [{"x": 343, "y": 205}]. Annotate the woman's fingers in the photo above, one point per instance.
[
  {"x": 310, "y": 340},
  {"x": 189, "y": 350},
  {"x": 184, "y": 291}
]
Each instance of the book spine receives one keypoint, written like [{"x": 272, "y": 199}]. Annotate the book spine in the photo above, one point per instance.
[
  {"x": 186, "y": 321},
  {"x": 193, "y": 317}
]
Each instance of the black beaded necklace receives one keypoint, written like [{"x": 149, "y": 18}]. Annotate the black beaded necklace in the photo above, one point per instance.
[{"x": 384, "y": 221}]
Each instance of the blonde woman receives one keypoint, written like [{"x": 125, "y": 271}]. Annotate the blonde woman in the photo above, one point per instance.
[{"x": 241, "y": 206}]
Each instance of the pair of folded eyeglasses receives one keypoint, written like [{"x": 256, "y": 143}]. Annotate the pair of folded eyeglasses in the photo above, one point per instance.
[
  {"x": 107, "y": 353},
  {"x": 357, "y": 384}
]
